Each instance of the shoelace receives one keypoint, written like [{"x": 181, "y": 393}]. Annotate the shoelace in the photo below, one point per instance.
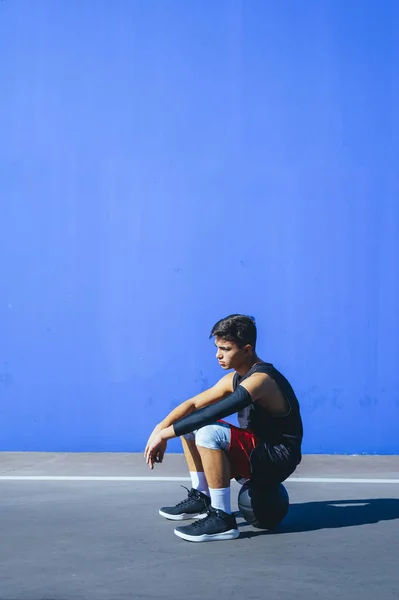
[
  {"x": 211, "y": 514},
  {"x": 186, "y": 500}
]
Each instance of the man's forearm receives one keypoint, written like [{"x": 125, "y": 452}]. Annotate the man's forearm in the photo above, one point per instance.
[{"x": 184, "y": 409}]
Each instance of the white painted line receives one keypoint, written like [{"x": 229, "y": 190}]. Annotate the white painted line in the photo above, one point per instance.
[
  {"x": 86, "y": 478},
  {"x": 147, "y": 479},
  {"x": 340, "y": 480}
]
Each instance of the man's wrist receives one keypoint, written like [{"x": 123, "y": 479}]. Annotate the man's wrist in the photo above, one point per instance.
[{"x": 168, "y": 433}]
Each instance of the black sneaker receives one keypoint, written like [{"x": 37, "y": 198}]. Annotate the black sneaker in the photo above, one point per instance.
[
  {"x": 217, "y": 525},
  {"x": 195, "y": 506}
]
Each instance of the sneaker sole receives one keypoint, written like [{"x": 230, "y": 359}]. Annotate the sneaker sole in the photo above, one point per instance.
[
  {"x": 226, "y": 535},
  {"x": 183, "y": 516}
]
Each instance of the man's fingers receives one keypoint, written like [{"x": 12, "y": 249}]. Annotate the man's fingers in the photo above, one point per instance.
[
  {"x": 147, "y": 447},
  {"x": 150, "y": 458}
]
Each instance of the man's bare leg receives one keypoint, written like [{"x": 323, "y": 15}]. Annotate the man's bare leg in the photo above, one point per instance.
[
  {"x": 216, "y": 467},
  {"x": 217, "y": 473},
  {"x": 194, "y": 463},
  {"x": 192, "y": 455}
]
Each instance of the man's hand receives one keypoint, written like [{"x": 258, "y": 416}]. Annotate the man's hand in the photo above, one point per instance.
[
  {"x": 156, "y": 446},
  {"x": 156, "y": 451},
  {"x": 156, "y": 431}
]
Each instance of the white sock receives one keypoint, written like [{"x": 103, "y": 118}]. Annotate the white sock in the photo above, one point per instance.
[
  {"x": 220, "y": 499},
  {"x": 199, "y": 482}
]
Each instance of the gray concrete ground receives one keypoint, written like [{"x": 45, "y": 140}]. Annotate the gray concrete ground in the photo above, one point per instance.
[{"x": 95, "y": 540}]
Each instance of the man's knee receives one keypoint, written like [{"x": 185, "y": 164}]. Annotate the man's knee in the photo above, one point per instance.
[{"x": 214, "y": 437}]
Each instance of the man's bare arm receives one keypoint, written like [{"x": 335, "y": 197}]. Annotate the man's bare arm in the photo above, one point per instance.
[{"x": 205, "y": 409}]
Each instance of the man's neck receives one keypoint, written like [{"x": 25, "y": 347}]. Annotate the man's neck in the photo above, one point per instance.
[{"x": 245, "y": 367}]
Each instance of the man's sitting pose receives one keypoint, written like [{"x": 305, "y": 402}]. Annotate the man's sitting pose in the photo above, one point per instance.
[{"x": 266, "y": 448}]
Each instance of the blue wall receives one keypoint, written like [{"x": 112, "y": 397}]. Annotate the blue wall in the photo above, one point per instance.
[{"x": 166, "y": 163}]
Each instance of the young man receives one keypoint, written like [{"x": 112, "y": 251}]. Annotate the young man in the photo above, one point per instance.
[{"x": 266, "y": 448}]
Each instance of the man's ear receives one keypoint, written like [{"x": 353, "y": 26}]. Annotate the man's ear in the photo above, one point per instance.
[{"x": 248, "y": 349}]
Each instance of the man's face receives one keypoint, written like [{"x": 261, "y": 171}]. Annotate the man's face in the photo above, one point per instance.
[{"x": 229, "y": 355}]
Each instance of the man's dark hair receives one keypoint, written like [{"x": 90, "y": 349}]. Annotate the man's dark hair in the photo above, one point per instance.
[{"x": 239, "y": 329}]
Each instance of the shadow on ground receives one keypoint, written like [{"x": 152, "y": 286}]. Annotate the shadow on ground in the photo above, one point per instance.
[{"x": 331, "y": 514}]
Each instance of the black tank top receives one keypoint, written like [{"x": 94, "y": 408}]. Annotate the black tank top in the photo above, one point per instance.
[{"x": 269, "y": 428}]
